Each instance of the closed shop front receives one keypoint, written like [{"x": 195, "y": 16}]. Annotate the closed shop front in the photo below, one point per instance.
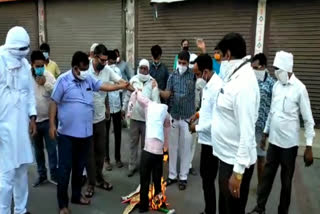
[
  {"x": 19, "y": 13},
  {"x": 75, "y": 25},
  {"x": 294, "y": 26},
  {"x": 209, "y": 20}
]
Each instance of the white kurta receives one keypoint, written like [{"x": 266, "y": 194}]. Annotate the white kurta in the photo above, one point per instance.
[{"x": 17, "y": 103}]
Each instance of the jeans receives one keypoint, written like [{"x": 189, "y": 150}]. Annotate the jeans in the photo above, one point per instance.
[
  {"x": 286, "y": 158},
  {"x": 151, "y": 164},
  {"x": 39, "y": 140},
  {"x": 227, "y": 203},
  {"x": 208, "y": 170},
  {"x": 73, "y": 154},
  {"x": 117, "y": 127}
]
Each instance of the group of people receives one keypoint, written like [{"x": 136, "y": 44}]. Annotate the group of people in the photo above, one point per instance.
[{"x": 230, "y": 104}]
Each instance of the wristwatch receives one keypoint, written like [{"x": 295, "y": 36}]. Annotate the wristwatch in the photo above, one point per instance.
[{"x": 238, "y": 176}]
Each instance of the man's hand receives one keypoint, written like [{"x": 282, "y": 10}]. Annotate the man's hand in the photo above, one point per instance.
[
  {"x": 41, "y": 80},
  {"x": 201, "y": 45},
  {"x": 53, "y": 131},
  {"x": 308, "y": 156},
  {"x": 154, "y": 84},
  {"x": 192, "y": 127},
  {"x": 33, "y": 127},
  {"x": 234, "y": 186},
  {"x": 130, "y": 88},
  {"x": 123, "y": 115},
  {"x": 123, "y": 85},
  {"x": 263, "y": 142},
  {"x": 193, "y": 118}
]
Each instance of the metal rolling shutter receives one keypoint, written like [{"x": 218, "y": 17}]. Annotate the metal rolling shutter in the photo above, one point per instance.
[
  {"x": 294, "y": 26},
  {"x": 22, "y": 13},
  {"x": 209, "y": 20},
  {"x": 75, "y": 25}
]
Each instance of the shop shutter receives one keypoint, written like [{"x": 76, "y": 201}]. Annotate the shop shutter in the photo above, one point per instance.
[
  {"x": 209, "y": 20},
  {"x": 294, "y": 26},
  {"x": 75, "y": 25},
  {"x": 22, "y": 13}
]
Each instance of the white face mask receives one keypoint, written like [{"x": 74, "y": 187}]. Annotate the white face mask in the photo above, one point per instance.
[
  {"x": 260, "y": 74},
  {"x": 182, "y": 69},
  {"x": 83, "y": 75},
  {"x": 46, "y": 55},
  {"x": 282, "y": 76},
  {"x": 19, "y": 54},
  {"x": 143, "y": 77}
]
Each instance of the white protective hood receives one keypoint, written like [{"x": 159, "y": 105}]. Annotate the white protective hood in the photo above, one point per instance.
[{"x": 284, "y": 61}]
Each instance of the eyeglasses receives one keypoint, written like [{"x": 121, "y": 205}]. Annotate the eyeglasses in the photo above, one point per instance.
[
  {"x": 24, "y": 48},
  {"x": 102, "y": 60}
]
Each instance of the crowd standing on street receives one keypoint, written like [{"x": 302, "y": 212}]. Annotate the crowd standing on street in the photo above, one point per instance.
[{"x": 228, "y": 103}]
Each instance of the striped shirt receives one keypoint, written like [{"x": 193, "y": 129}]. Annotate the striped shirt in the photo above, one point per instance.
[{"x": 182, "y": 88}]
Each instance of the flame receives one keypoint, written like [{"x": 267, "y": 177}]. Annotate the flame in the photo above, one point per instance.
[{"x": 159, "y": 200}]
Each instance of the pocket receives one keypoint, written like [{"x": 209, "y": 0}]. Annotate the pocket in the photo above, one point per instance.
[
  {"x": 224, "y": 101},
  {"x": 289, "y": 106}
]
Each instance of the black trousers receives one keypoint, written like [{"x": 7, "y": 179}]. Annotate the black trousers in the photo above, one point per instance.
[
  {"x": 286, "y": 158},
  {"x": 227, "y": 203},
  {"x": 73, "y": 154},
  {"x": 151, "y": 164},
  {"x": 208, "y": 170},
  {"x": 117, "y": 126}
]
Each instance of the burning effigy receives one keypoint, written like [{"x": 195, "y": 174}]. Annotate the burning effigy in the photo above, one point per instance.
[{"x": 156, "y": 202}]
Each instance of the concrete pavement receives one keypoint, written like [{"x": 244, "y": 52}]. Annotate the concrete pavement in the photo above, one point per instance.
[{"x": 305, "y": 193}]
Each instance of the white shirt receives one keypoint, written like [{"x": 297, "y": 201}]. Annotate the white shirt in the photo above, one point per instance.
[
  {"x": 283, "y": 124},
  {"x": 147, "y": 91},
  {"x": 114, "y": 96},
  {"x": 105, "y": 75},
  {"x": 209, "y": 95},
  {"x": 43, "y": 96},
  {"x": 234, "y": 118}
]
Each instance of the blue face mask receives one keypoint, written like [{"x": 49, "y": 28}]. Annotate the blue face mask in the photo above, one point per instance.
[{"x": 39, "y": 71}]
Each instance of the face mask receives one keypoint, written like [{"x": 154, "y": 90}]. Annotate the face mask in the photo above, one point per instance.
[
  {"x": 83, "y": 75},
  {"x": 156, "y": 64},
  {"x": 39, "y": 71},
  {"x": 282, "y": 76},
  {"x": 182, "y": 69},
  {"x": 19, "y": 54},
  {"x": 46, "y": 55},
  {"x": 118, "y": 59},
  {"x": 100, "y": 67},
  {"x": 260, "y": 74},
  {"x": 185, "y": 48},
  {"x": 143, "y": 77},
  {"x": 217, "y": 57}
]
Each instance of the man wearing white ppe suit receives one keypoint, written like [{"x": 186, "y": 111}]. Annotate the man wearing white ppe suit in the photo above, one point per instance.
[
  {"x": 144, "y": 82},
  {"x": 289, "y": 99},
  {"x": 18, "y": 113}
]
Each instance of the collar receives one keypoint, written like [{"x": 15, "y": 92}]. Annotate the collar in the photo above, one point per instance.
[
  {"x": 292, "y": 79},
  {"x": 72, "y": 77}
]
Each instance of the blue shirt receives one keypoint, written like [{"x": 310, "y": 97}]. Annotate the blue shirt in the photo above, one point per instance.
[
  {"x": 183, "y": 89},
  {"x": 75, "y": 104},
  {"x": 216, "y": 66},
  {"x": 265, "y": 101}
]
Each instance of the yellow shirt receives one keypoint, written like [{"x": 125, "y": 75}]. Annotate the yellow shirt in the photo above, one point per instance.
[{"x": 53, "y": 68}]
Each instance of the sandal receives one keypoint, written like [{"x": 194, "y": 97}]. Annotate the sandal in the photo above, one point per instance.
[
  {"x": 170, "y": 181},
  {"x": 105, "y": 185},
  {"x": 82, "y": 201},
  {"x": 182, "y": 185},
  {"x": 90, "y": 191}
]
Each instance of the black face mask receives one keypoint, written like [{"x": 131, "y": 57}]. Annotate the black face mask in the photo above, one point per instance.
[
  {"x": 100, "y": 66},
  {"x": 185, "y": 48}
]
